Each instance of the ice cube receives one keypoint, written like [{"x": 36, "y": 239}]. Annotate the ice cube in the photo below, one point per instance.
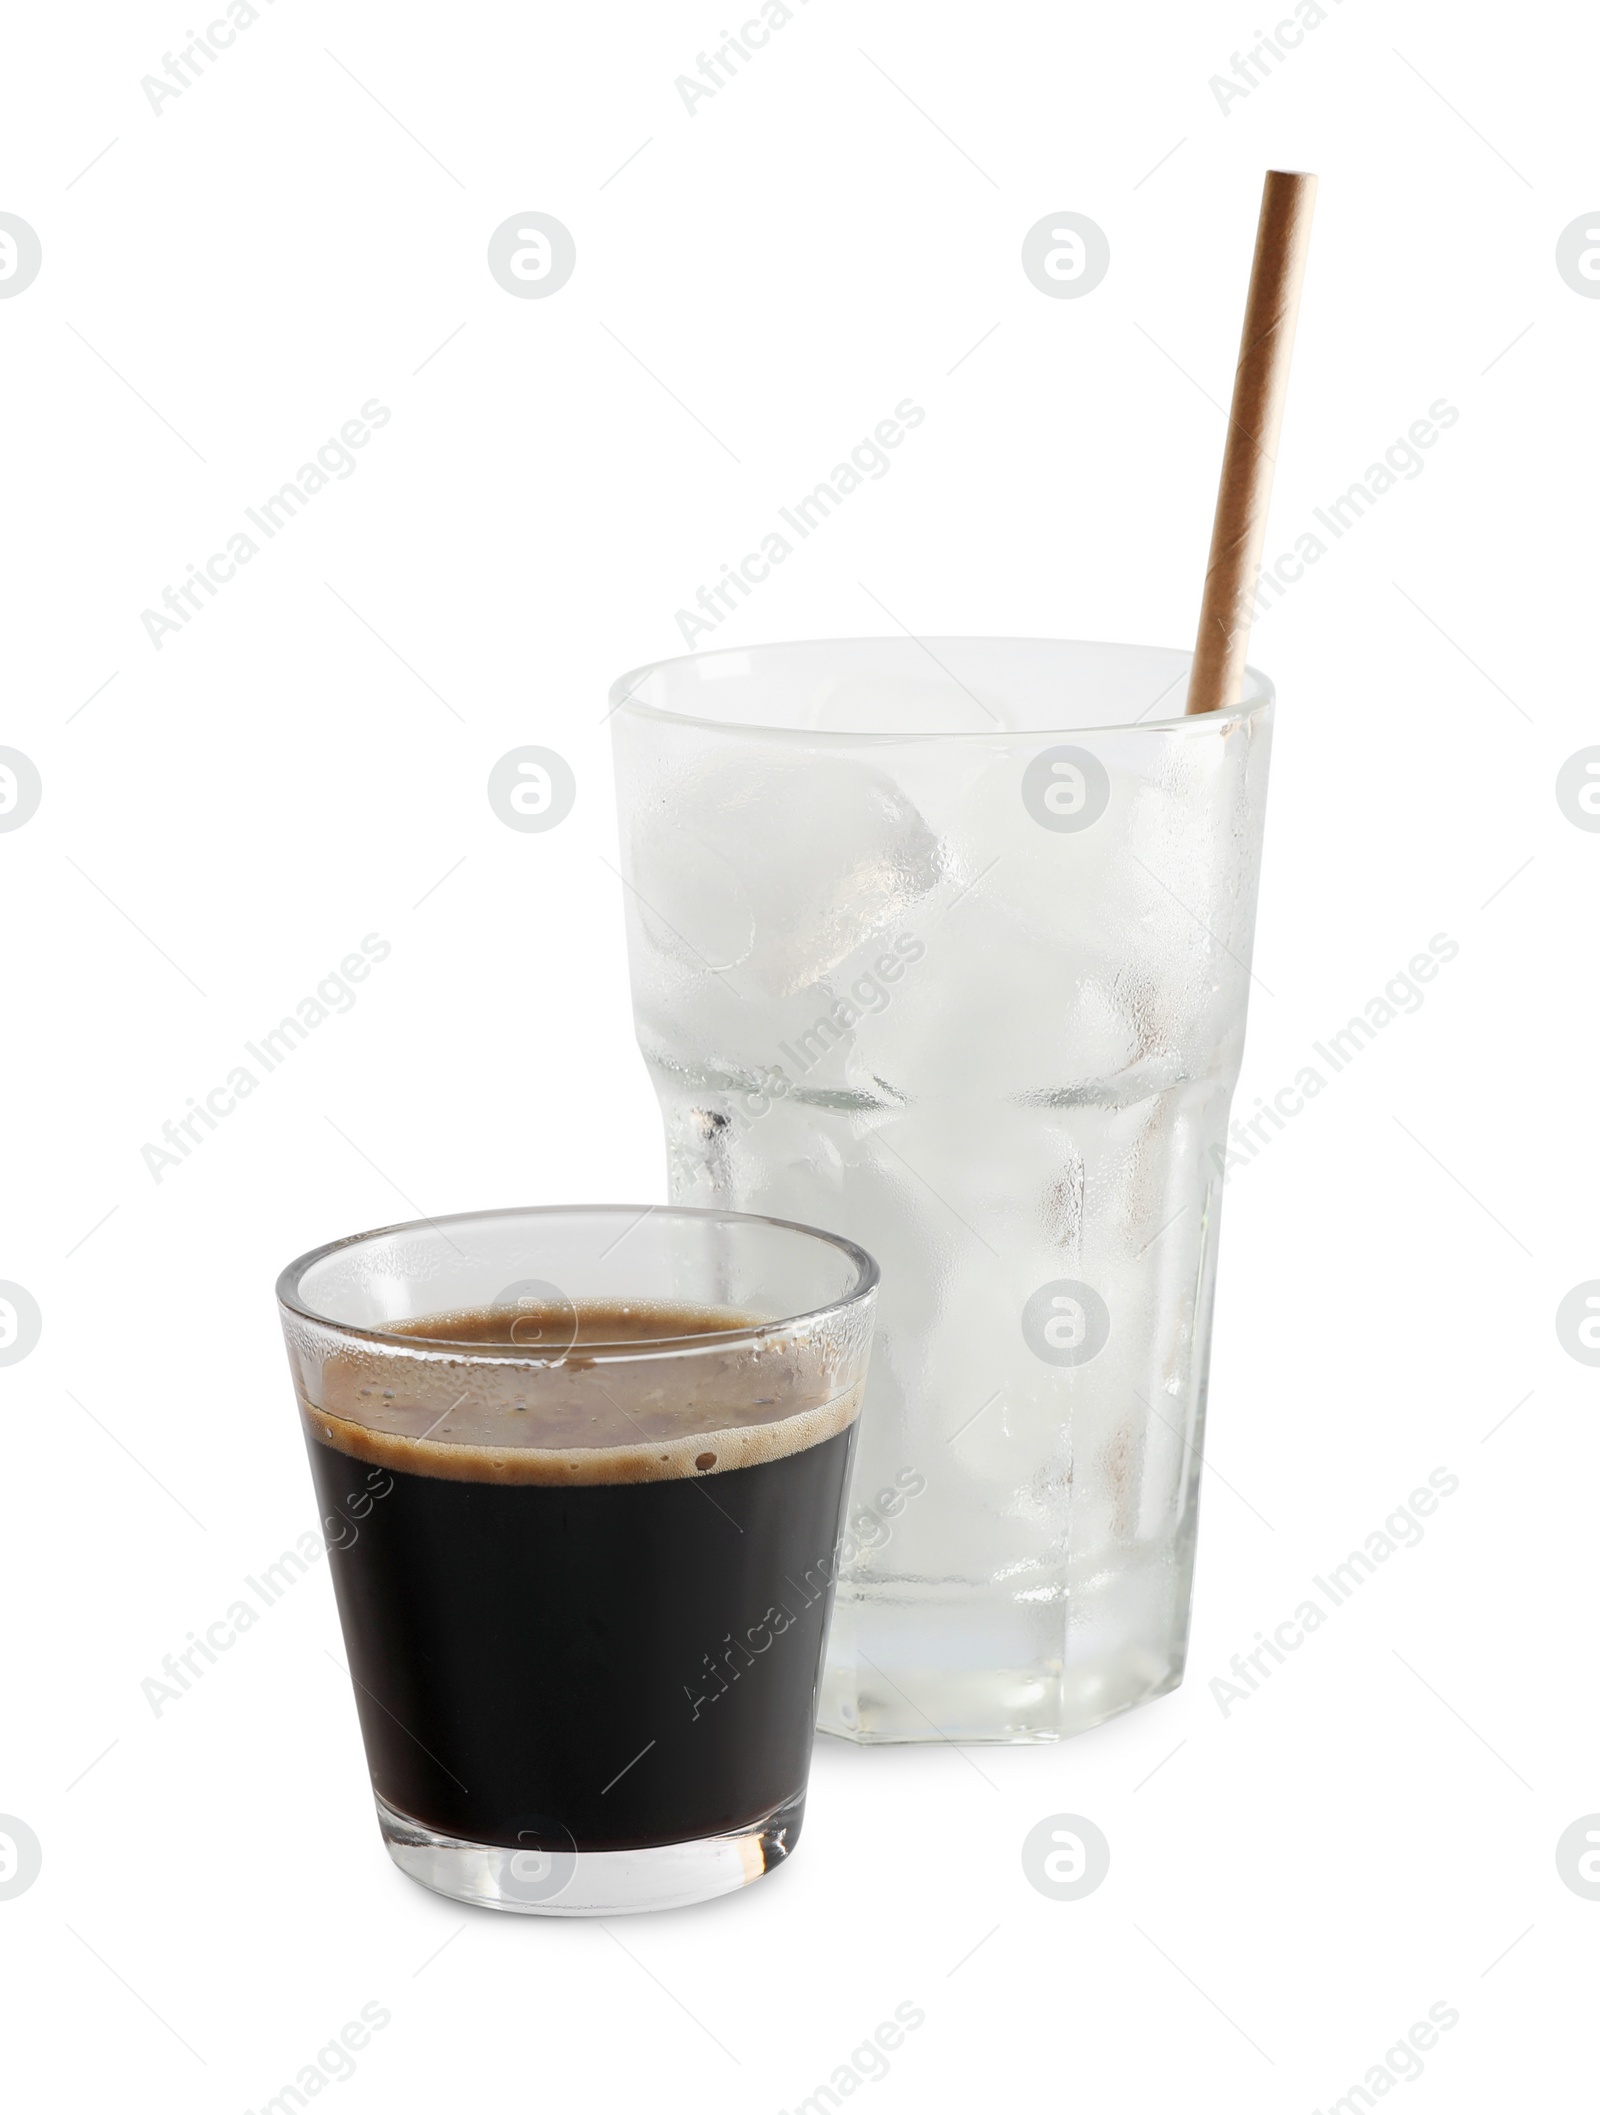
[{"x": 774, "y": 865}]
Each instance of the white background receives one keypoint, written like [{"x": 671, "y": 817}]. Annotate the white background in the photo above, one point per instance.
[{"x": 305, "y": 762}]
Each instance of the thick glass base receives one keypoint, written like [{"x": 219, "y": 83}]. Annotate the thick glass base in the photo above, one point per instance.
[
  {"x": 972, "y": 1660},
  {"x": 573, "y": 1883},
  {"x": 1016, "y": 1705},
  {"x": 891, "y": 1677}
]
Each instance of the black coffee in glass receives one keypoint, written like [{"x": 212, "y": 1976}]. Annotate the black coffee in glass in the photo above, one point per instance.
[{"x": 583, "y": 1548}]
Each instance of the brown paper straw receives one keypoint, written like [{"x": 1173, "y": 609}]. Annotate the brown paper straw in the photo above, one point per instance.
[{"x": 1260, "y": 384}]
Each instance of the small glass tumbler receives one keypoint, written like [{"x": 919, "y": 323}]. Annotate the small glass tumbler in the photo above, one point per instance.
[{"x": 582, "y": 1475}]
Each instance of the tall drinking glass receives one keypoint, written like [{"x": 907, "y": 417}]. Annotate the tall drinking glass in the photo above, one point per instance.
[{"x": 946, "y": 945}]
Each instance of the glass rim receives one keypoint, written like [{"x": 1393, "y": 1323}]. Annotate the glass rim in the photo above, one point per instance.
[
  {"x": 1260, "y": 697},
  {"x": 611, "y": 1350}
]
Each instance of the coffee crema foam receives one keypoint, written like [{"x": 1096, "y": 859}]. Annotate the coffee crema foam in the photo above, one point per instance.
[{"x": 662, "y": 1415}]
